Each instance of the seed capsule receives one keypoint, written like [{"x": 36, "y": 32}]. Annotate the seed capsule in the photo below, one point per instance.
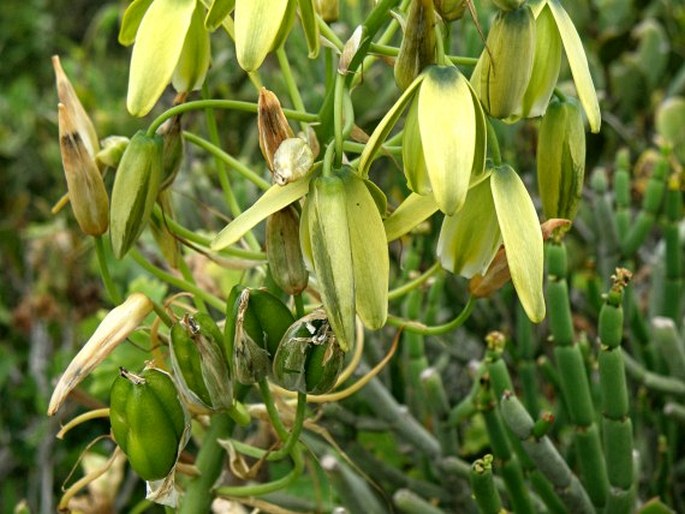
[
  {"x": 199, "y": 363},
  {"x": 309, "y": 358},
  {"x": 148, "y": 421},
  {"x": 284, "y": 253},
  {"x": 418, "y": 44}
]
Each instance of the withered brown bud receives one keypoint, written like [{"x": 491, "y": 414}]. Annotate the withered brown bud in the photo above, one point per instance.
[{"x": 272, "y": 125}]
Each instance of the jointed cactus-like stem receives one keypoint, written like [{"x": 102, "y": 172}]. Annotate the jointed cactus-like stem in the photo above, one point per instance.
[
  {"x": 545, "y": 455},
  {"x": 617, "y": 424},
  {"x": 527, "y": 367},
  {"x": 673, "y": 284},
  {"x": 574, "y": 380},
  {"x": 483, "y": 486}
]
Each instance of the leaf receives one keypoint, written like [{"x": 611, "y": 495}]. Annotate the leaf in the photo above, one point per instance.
[
  {"x": 130, "y": 22},
  {"x": 522, "y": 238},
  {"x": 257, "y": 25},
  {"x": 413, "y": 161},
  {"x": 469, "y": 240},
  {"x": 447, "y": 122},
  {"x": 410, "y": 213},
  {"x": 193, "y": 63},
  {"x": 577, "y": 61},
  {"x": 383, "y": 128},
  {"x": 369, "y": 252},
  {"x": 274, "y": 199},
  {"x": 158, "y": 46},
  {"x": 310, "y": 27}
]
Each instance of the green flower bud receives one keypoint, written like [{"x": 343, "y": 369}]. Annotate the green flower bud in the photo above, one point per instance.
[
  {"x": 200, "y": 365},
  {"x": 309, "y": 358},
  {"x": 113, "y": 148},
  {"x": 255, "y": 323},
  {"x": 284, "y": 253},
  {"x": 561, "y": 160},
  {"x": 418, "y": 44},
  {"x": 328, "y": 9},
  {"x": 503, "y": 71},
  {"x": 148, "y": 421},
  {"x": 135, "y": 189},
  {"x": 167, "y": 242}
]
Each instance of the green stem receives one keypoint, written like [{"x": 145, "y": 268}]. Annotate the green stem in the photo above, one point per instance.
[
  {"x": 392, "y": 51},
  {"x": 402, "y": 290},
  {"x": 199, "y": 105},
  {"x": 212, "y": 300},
  {"x": 234, "y": 163},
  {"x": 420, "y": 328},
  {"x": 328, "y": 33},
  {"x": 110, "y": 286},
  {"x": 338, "y": 118},
  {"x": 295, "y": 431},
  {"x": 493, "y": 143},
  {"x": 204, "y": 241},
  {"x": 188, "y": 276},
  {"x": 290, "y": 83},
  {"x": 268, "y": 398},
  {"x": 299, "y": 305}
]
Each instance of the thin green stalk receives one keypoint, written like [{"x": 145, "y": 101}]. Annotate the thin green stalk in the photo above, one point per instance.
[
  {"x": 328, "y": 33},
  {"x": 493, "y": 143},
  {"x": 299, "y": 305},
  {"x": 229, "y": 196},
  {"x": 393, "y": 51},
  {"x": 410, "y": 285},
  {"x": 420, "y": 328},
  {"x": 110, "y": 286},
  {"x": 162, "y": 275},
  {"x": 234, "y": 163},
  {"x": 199, "y": 239},
  {"x": 188, "y": 276},
  {"x": 210, "y": 460},
  {"x": 287, "y": 74},
  {"x": 338, "y": 98},
  {"x": 271, "y": 409},
  {"x": 199, "y": 105},
  {"x": 242, "y": 491},
  {"x": 296, "y": 429}
]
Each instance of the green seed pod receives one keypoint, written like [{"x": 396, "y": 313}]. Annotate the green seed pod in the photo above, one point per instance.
[
  {"x": 418, "y": 44},
  {"x": 135, "y": 189},
  {"x": 284, "y": 253},
  {"x": 167, "y": 242},
  {"x": 256, "y": 322},
  {"x": 503, "y": 71},
  {"x": 561, "y": 160},
  {"x": 450, "y": 10},
  {"x": 309, "y": 358},
  {"x": 148, "y": 421},
  {"x": 199, "y": 363}
]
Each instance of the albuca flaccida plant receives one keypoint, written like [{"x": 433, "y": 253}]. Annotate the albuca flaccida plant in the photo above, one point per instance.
[{"x": 267, "y": 373}]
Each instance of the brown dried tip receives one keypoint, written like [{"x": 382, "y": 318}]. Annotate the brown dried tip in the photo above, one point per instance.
[
  {"x": 498, "y": 273},
  {"x": 272, "y": 125}
]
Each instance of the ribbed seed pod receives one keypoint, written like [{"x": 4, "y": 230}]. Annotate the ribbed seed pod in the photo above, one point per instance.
[
  {"x": 135, "y": 189},
  {"x": 309, "y": 358},
  {"x": 284, "y": 253},
  {"x": 503, "y": 71},
  {"x": 148, "y": 421},
  {"x": 561, "y": 160},
  {"x": 172, "y": 153},
  {"x": 418, "y": 43},
  {"x": 255, "y": 323},
  {"x": 200, "y": 365}
]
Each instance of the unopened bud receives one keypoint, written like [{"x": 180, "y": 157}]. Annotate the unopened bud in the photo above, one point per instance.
[
  {"x": 284, "y": 252},
  {"x": 113, "y": 148},
  {"x": 328, "y": 9},
  {"x": 172, "y": 153},
  {"x": 135, "y": 189},
  {"x": 450, "y": 10},
  {"x": 418, "y": 44},
  {"x": 292, "y": 161}
]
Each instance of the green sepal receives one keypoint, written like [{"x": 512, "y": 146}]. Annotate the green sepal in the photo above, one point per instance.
[
  {"x": 130, "y": 22},
  {"x": 217, "y": 13},
  {"x": 193, "y": 63},
  {"x": 310, "y": 27}
]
